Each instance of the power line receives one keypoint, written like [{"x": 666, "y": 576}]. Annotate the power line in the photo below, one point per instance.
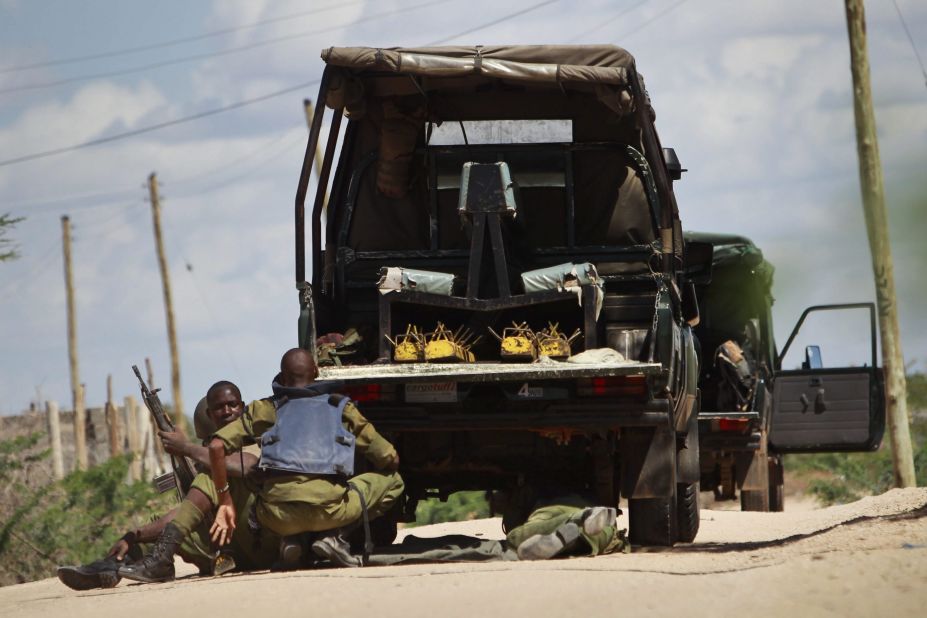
[
  {"x": 911, "y": 40},
  {"x": 117, "y": 196},
  {"x": 229, "y": 164},
  {"x": 155, "y": 127},
  {"x": 247, "y": 172},
  {"x": 647, "y": 22},
  {"x": 36, "y": 268},
  {"x": 492, "y": 23},
  {"x": 243, "y": 102},
  {"x": 174, "y": 42},
  {"x": 607, "y": 22},
  {"x": 223, "y": 52}
]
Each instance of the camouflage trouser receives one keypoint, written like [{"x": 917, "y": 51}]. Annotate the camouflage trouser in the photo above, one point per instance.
[
  {"x": 250, "y": 550},
  {"x": 380, "y": 491},
  {"x": 546, "y": 520}
]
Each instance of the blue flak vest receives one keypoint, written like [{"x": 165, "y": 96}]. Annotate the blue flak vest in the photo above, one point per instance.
[{"x": 309, "y": 438}]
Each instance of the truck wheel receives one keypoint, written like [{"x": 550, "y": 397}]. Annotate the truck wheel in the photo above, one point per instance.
[
  {"x": 776, "y": 484},
  {"x": 687, "y": 494},
  {"x": 688, "y": 512},
  {"x": 652, "y": 521}
]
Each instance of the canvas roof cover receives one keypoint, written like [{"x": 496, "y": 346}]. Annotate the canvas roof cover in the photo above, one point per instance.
[{"x": 595, "y": 64}]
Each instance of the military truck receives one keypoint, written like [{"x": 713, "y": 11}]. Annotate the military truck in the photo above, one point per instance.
[
  {"x": 752, "y": 411},
  {"x": 476, "y": 208}
]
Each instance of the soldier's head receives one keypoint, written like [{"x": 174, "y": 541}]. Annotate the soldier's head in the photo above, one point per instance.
[
  {"x": 223, "y": 403},
  {"x": 297, "y": 368}
]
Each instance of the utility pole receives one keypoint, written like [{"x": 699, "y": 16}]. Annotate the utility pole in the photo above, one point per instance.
[
  {"x": 870, "y": 178},
  {"x": 310, "y": 113},
  {"x": 179, "y": 419},
  {"x": 77, "y": 395}
]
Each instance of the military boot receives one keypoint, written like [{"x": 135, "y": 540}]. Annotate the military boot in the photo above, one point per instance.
[
  {"x": 333, "y": 547},
  {"x": 100, "y": 574},
  {"x": 595, "y": 519},
  {"x": 157, "y": 566},
  {"x": 291, "y": 553},
  {"x": 591, "y": 521},
  {"x": 545, "y": 546}
]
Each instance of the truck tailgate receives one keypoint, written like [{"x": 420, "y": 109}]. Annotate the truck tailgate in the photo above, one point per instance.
[{"x": 483, "y": 372}]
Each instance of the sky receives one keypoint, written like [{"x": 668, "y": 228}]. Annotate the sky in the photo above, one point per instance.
[{"x": 755, "y": 96}]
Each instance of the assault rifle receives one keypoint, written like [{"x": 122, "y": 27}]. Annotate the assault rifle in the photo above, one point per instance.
[{"x": 183, "y": 474}]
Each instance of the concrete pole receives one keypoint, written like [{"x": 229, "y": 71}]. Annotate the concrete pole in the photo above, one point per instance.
[
  {"x": 77, "y": 394},
  {"x": 179, "y": 419},
  {"x": 870, "y": 178},
  {"x": 54, "y": 435}
]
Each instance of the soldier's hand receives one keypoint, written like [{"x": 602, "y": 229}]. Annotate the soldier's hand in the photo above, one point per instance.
[
  {"x": 392, "y": 464},
  {"x": 121, "y": 547},
  {"x": 224, "y": 525},
  {"x": 175, "y": 442}
]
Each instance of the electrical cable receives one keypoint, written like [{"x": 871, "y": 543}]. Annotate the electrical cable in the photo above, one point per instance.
[
  {"x": 494, "y": 22},
  {"x": 607, "y": 22},
  {"x": 241, "y": 159},
  {"x": 649, "y": 21},
  {"x": 229, "y": 107},
  {"x": 174, "y": 42},
  {"x": 223, "y": 52},
  {"x": 39, "y": 266},
  {"x": 196, "y": 286},
  {"x": 129, "y": 193},
  {"x": 911, "y": 40},
  {"x": 160, "y": 125}
]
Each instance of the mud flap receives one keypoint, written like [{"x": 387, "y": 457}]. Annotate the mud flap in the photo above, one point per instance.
[
  {"x": 648, "y": 462},
  {"x": 752, "y": 468}
]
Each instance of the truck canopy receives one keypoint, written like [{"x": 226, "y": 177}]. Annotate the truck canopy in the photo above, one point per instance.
[{"x": 603, "y": 64}]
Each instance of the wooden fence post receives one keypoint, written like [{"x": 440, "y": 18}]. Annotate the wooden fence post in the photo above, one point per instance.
[
  {"x": 54, "y": 435},
  {"x": 80, "y": 429},
  {"x": 113, "y": 421},
  {"x": 131, "y": 410}
]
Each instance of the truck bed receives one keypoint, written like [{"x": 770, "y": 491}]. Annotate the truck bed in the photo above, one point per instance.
[{"x": 406, "y": 373}]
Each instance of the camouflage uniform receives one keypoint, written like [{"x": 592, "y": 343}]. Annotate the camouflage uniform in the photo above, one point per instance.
[
  {"x": 251, "y": 551},
  {"x": 289, "y": 504}
]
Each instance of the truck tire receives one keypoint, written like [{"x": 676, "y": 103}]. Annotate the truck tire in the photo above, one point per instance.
[
  {"x": 688, "y": 512},
  {"x": 652, "y": 521},
  {"x": 776, "y": 484},
  {"x": 687, "y": 493}
]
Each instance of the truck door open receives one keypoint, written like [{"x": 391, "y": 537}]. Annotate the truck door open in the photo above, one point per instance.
[{"x": 819, "y": 409}]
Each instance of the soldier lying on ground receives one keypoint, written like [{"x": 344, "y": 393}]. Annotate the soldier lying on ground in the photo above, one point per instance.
[
  {"x": 558, "y": 525},
  {"x": 543, "y": 525},
  {"x": 308, "y": 437},
  {"x": 221, "y": 406}
]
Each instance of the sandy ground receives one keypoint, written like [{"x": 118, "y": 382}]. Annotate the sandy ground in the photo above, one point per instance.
[{"x": 868, "y": 558}]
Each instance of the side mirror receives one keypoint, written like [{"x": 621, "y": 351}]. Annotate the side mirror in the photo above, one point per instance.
[
  {"x": 673, "y": 166},
  {"x": 813, "y": 358}
]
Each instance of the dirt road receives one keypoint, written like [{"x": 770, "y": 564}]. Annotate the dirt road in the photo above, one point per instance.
[{"x": 868, "y": 558}]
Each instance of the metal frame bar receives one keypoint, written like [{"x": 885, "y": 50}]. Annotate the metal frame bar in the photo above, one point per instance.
[{"x": 809, "y": 310}]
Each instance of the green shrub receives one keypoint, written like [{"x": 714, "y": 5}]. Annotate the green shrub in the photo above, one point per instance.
[
  {"x": 73, "y": 521},
  {"x": 459, "y": 506}
]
